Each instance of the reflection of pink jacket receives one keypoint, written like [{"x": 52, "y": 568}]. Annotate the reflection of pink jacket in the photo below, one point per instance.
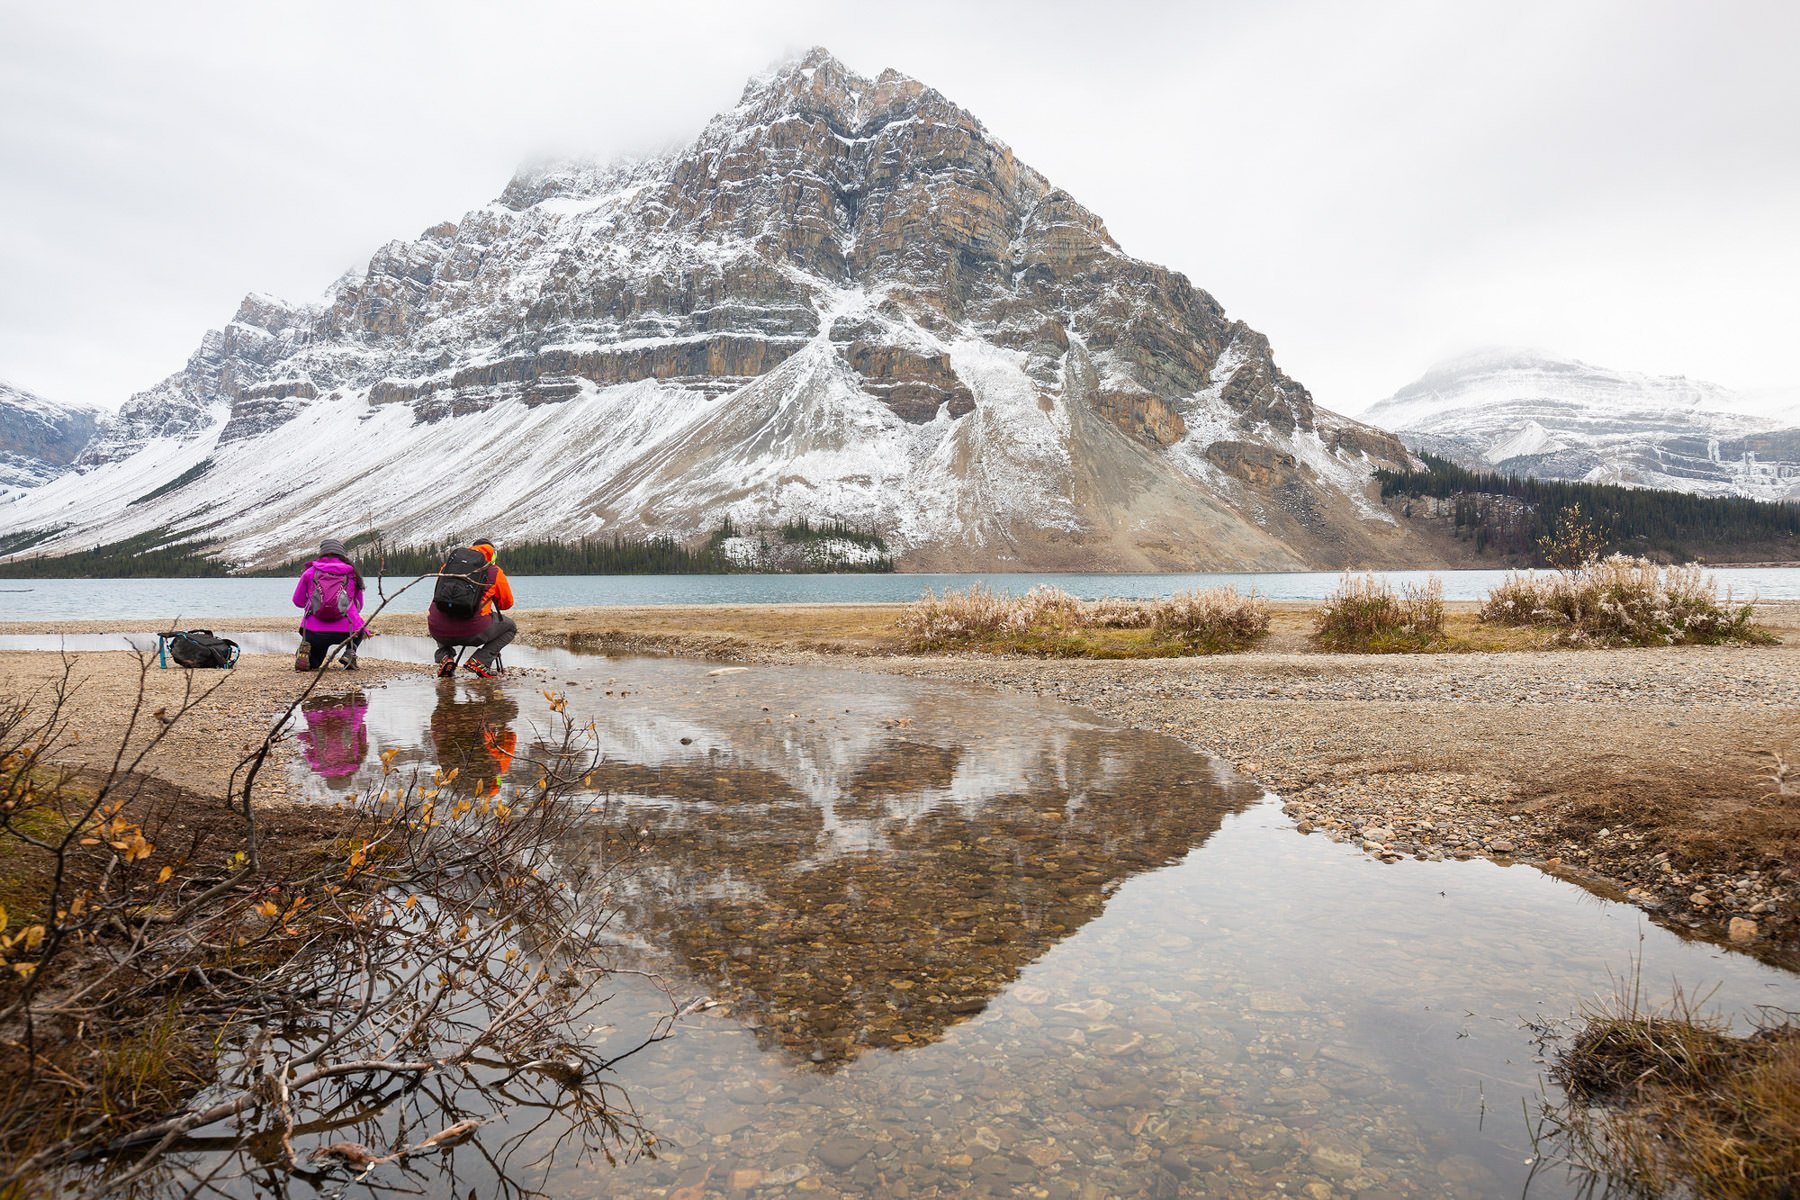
[
  {"x": 334, "y": 739},
  {"x": 353, "y": 585}
]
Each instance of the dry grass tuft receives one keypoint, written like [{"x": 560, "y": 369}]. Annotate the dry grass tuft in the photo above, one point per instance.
[
  {"x": 1212, "y": 620},
  {"x": 1049, "y": 621},
  {"x": 1670, "y": 1104},
  {"x": 1621, "y": 601},
  {"x": 1366, "y": 614}
]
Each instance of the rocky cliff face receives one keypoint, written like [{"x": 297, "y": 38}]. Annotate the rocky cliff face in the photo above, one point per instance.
[
  {"x": 1522, "y": 412},
  {"x": 845, "y": 300},
  {"x": 38, "y": 440}
]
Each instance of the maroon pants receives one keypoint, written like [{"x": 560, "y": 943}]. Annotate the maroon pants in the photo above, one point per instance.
[{"x": 489, "y": 635}]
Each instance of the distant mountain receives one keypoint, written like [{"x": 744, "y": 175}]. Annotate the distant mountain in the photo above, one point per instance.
[
  {"x": 1781, "y": 405},
  {"x": 39, "y": 440},
  {"x": 1522, "y": 412},
  {"x": 845, "y": 300}
]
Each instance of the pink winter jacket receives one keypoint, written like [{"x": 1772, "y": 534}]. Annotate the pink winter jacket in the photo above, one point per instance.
[{"x": 353, "y": 623}]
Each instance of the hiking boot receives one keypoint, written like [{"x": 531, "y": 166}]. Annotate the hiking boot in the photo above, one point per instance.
[
  {"x": 482, "y": 669},
  {"x": 446, "y": 668},
  {"x": 350, "y": 659}
]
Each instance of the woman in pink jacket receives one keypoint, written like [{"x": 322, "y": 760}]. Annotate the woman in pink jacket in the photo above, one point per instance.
[{"x": 330, "y": 592}]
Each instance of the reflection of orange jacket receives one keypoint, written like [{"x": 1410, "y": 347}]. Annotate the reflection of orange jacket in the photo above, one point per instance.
[
  {"x": 500, "y": 747},
  {"x": 499, "y": 593}
]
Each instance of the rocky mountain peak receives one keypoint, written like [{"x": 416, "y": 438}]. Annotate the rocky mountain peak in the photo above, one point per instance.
[
  {"x": 818, "y": 85},
  {"x": 268, "y": 313}
]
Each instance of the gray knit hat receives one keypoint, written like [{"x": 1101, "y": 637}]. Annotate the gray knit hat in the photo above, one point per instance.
[{"x": 332, "y": 547}]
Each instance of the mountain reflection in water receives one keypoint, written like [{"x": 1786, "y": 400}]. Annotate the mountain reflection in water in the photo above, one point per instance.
[
  {"x": 906, "y": 896},
  {"x": 847, "y": 869}
]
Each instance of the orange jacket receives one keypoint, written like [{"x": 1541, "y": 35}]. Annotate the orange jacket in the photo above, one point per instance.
[{"x": 499, "y": 593}]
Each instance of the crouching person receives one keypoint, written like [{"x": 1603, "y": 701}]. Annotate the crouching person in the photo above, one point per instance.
[
  {"x": 468, "y": 608},
  {"x": 330, "y": 593}
]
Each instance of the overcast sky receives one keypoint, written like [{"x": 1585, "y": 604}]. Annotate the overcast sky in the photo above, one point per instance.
[{"x": 1376, "y": 186}]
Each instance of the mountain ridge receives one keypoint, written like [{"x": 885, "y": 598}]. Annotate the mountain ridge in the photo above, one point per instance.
[{"x": 1526, "y": 412}]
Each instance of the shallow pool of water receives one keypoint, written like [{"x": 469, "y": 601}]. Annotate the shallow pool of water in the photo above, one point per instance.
[{"x": 970, "y": 943}]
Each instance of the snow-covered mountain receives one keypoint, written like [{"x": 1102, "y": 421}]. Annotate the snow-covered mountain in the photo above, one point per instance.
[
  {"x": 844, "y": 300},
  {"x": 1522, "y": 412},
  {"x": 39, "y": 440}
]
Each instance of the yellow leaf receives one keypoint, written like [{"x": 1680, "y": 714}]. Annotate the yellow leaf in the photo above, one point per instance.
[
  {"x": 163, "y": 875},
  {"x": 2, "y": 918},
  {"x": 412, "y": 902},
  {"x": 268, "y": 908}
]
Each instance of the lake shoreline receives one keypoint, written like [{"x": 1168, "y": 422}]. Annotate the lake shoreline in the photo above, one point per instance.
[
  {"x": 1666, "y": 775},
  {"x": 148, "y": 602}
]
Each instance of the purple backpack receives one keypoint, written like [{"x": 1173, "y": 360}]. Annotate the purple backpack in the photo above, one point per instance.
[{"x": 330, "y": 597}]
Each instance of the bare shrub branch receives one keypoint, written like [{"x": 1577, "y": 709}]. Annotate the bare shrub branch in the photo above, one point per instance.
[{"x": 439, "y": 931}]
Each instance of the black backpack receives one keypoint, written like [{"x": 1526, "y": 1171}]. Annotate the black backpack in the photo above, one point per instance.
[
  {"x": 200, "y": 648},
  {"x": 462, "y": 581}
]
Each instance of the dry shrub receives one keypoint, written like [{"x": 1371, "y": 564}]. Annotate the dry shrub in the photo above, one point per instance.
[
  {"x": 1366, "y": 613},
  {"x": 1670, "y": 1103},
  {"x": 1622, "y": 601},
  {"x": 1048, "y": 619},
  {"x": 1046, "y": 607},
  {"x": 159, "y": 978},
  {"x": 1214, "y": 618},
  {"x": 934, "y": 621}
]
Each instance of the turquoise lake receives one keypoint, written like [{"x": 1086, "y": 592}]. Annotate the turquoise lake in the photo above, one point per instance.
[{"x": 163, "y": 601}]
